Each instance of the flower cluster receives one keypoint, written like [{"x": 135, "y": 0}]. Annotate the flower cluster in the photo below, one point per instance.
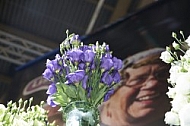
[
  {"x": 178, "y": 55},
  {"x": 23, "y": 114},
  {"x": 81, "y": 73}
]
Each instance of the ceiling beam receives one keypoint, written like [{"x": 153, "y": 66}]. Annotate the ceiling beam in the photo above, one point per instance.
[
  {"x": 120, "y": 9},
  {"x": 18, "y": 50}
]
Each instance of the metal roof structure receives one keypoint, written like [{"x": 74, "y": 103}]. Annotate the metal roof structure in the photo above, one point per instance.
[{"x": 30, "y": 29}]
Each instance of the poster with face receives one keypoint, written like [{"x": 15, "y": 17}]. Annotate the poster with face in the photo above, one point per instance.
[{"x": 141, "y": 98}]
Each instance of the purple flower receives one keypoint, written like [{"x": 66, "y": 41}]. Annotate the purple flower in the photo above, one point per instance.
[
  {"x": 50, "y": 101},
  {"x": 75, "y": 77},
  {"x": 88, "y": 56},
  {"x": 106, "y": 63},
  {"x": 81, "y": 66},
  {"x": 53, "y": 65},
  {"x": 108, "y": 94},
  {"x": 51, "y": 89},
  {"x": 84, "y": 82},
  {"x": 107, "y": 78},
  {"x": 108, "y": 55},
  {"x": 85, "y": 47},
  {"x": 116, "y": 76},
  {"x": 48, "y": 74},
  {"x": 107, "y": 48},
  {"x": 117, "y": 63},
  {"x": 92, "y": 65},
  {"x": 74, "y": 55}
]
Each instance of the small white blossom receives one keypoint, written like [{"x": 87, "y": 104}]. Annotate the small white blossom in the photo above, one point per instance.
[
  {"x": 174, "y": 73},
  {"x": 187, "y": 54},
  {"x": 171, "y": 92},
  {"x": 175, "y": 45},
  {"x": 188, "y": 41},
  {"x": 184, "y": 115},
  {"x": 183, "y": 84},
  {"x": 15, "y": 114},
  {"x": 166, "y": 57},
  {"x": 178, "y": 102},
  {"x": 172, "y": 118}
]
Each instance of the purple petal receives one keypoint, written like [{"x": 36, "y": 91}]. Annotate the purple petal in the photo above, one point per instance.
[
  {"x": 117, "y": 63},
  {"x": 116, "y": 76},
  {"x": 50, "y": 101},
  {"x": 75, "y": 77},
  {"x": 84, "y": 82},
  {"x": 48, "y": 74},
  {"x": 106, "y": 63},
  {"x": 81, "y": 66},
  {"x": 107, "y": 78},
  {"x": 74, "y": 55},
  {"x": 108, "y": 94},
  {"x": 51, "y": 89},
  {"x": 88, "y": 56}
]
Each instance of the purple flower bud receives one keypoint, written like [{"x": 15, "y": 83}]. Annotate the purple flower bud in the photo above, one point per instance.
[
  {"x": 116, "y": 76},
  {"x": 88, "y": 56},
  {"x": 53, "y": 65},
  {"x": 85, "y": 47},
  {"x": 106, "y": 78},
  {"x": 108, "y": 55},
  {"x": 75, "y": 77},
  {"x": 81, "y": 66},
  {"x": 117, "y": 63},
  {"x": 106, "y": 63},
  {"x": 48, "y": 74},
  {"x": 108, "y": 94},
  {"x": 92, "y": 65},
  {"x": 50, "y": 101},
  {"x": 74, "y": 55},
  {"x": 84, "y": 82},
  {"x": 51, "y": 89}
]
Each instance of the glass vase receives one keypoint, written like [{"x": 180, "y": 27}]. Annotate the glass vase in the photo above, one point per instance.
[{"x": 81, "y": 113}]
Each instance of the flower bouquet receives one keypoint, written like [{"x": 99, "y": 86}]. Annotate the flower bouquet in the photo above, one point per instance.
[
  {"x": 178, "y": 55},
  {"x": 82, "y": 77},
  {"x": 23, "y": 114}
]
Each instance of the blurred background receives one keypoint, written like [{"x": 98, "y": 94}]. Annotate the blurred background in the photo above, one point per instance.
[{"x": 31, "y": 31}]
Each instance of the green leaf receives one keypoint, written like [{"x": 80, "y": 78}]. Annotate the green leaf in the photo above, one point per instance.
[
  {"x": 100, "y": 94},
  {"x": 61, "y": 98},
  {"x": 70, "y": 90},
  {"x": 59, "y": 87},
  {"x": 82, "y": 93}
]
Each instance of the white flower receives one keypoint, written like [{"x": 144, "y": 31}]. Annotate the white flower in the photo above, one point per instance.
[
  {"x": 184, "y": 115},
  {"x": 178, "y": 102},
  {"x": 171, "y": 92},
  {"x": 172, "y": 118},
  {"x": 174, "y": 73},
  {"x": 188, "y": 41},
  {"x": 180, "y": 80},
  {"x": 175, "y": 45},
  {"x": 2, "y": 111},
  {"x": 19, "y": 122},
  {"x": 166, "y": 57},
  {"x": 187, "y": 54},
  {"x": 183, "y": 84}
]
